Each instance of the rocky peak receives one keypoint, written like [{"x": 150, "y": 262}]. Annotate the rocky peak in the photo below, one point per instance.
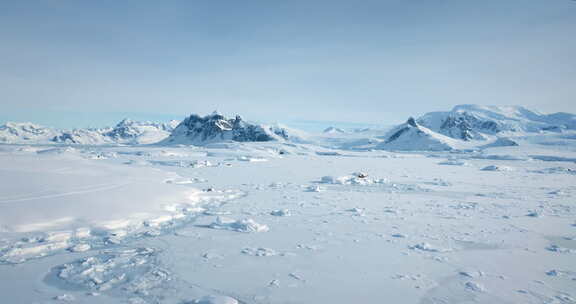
[{"x": 196, "y": 129}]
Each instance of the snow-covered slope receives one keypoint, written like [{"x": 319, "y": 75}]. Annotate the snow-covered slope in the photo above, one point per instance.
[
  {"x": 197, "y": 130},
  {"x": 414, "y": 137}
]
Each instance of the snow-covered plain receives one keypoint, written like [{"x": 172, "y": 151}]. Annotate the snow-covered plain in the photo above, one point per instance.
[
  {"x": 284, "y": 222},
  {"x": 184, "y": 224}
]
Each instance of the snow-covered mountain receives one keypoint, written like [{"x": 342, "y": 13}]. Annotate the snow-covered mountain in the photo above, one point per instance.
[
  {"x": 474, "y": 127},
  {"x": 475, "y": 122},
  {"x": 25, "y": 132},
  {"x": 125, "y": 132},
  {"x": 133, "y": 132},
  {"x": 82, "y": 137},
  {"x": 463, "y": 127},
  {"x": 198, "y": 130},
  {"x": 412, "y": 136}
]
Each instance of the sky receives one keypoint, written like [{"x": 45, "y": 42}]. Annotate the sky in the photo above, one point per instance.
[{"x": 90, "y": 63}]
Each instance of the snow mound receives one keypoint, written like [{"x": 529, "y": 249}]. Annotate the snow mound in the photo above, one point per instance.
[
  {"x": 244, "y": 225},
  {"x": 133, "y": 271},
  {"x": 214, "y": 300},
  {"x": 197, "y": 130},
  {"x": 427, "y": 247},
  {"x": 474, "y": 286},
  {"x": 360, "y": 179},
  {"x": 314, "y": 188},
  {"x": 259, "y": 252},
  {"x": 559, "y": 249},
  {"x": 496, "y": 168},
  {"x": 453, "y": 162},
  {"x": 352, "y": 179},
  {"x": 501, "y": 142},
  {"x": 252, "y": 159},
  {"x": 281, "y": 212}
]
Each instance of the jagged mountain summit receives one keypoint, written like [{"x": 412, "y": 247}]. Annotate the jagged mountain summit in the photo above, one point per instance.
[{"x": 198, "y": 130}]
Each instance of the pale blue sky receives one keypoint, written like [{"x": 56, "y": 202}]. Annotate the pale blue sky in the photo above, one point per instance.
[{"x": 89, "y": 63}]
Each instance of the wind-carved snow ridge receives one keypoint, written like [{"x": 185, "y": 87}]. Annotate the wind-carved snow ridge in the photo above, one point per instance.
[
  {"x": 120, "y": 231},
  {"x": 197, "y": 130}
]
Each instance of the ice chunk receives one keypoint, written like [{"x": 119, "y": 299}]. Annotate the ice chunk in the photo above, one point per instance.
[{"x": 244, "y": 225}]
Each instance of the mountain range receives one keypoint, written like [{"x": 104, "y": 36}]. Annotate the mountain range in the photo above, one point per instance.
[{"x": 463, "y": 127}]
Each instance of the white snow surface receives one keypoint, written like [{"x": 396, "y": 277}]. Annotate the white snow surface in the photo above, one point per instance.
[{"x": 314, "y": 223}]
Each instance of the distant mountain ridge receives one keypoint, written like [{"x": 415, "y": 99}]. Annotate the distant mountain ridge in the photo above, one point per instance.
[{"x": 125, "y": 132}]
